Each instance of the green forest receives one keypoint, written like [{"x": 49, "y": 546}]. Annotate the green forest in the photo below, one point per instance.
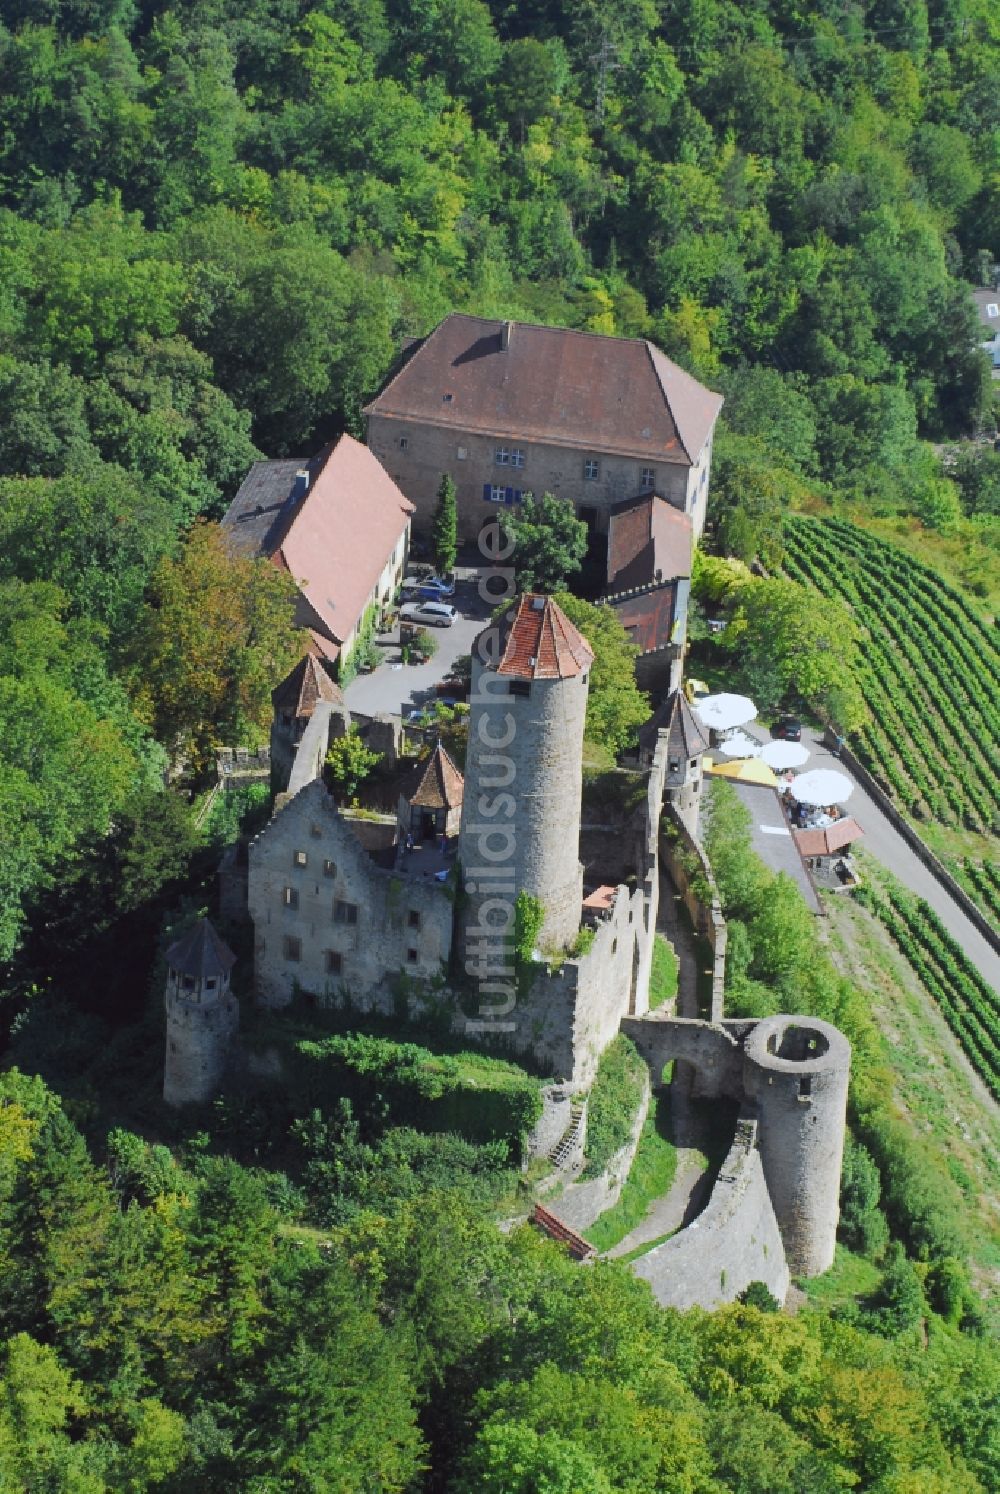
[{"x": 219, "y": 222}]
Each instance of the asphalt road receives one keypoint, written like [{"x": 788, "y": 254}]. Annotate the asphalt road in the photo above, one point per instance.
[{"x": 889, "y": 847}]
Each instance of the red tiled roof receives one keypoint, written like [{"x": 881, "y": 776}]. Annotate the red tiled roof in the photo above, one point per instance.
[
  {"x": 648, "y": 616},
  {"x": 538, "y": 641},
  {"x": 648, "y": 540},
  {"x": 436, "y": 783},
  {"x": 600, "y": 899},
  {"x": 334, "y": 541},
  {"x": 830, "y": 839},
  {"x": 617, "y": 395},
  {"x": 342, "y": 534},
  {"x": 307, "y": 684}
]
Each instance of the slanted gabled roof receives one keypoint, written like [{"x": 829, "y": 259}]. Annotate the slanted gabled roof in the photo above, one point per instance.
[
  {"x": 829, "y": 839},
  {"x": 538, "y": 641},
  {"x": 333, "y": 535},
  {"x": 201, "y": 952},
  {"x": 648, "y": 541},
  {"x": 435, "y": 783},
  {"x": 307, "y": 684},
  {"x": 686, "y": 737},
  {"x": 526, "y": 382}
]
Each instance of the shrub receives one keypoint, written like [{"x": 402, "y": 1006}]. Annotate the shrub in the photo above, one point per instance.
[{"x": 614, "y": 1100}]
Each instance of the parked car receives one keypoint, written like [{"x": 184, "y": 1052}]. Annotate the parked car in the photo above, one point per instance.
[
  {"x": 428, "y": 614},
  {"x": 788, "y": 728},
  {"x": 444, "y": 584}
]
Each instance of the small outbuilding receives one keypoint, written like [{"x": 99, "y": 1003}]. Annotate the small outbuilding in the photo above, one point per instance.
[{"x": 430, "y": 800}]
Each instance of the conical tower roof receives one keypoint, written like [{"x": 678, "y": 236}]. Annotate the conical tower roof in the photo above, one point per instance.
[
  {"x": 538, "y": 641},
  {"x": 687, "y": 737},
  {"x": 201, "y": 952},
  {"x": 307, "y": 684},
  {"x": 435, "y": 783}
]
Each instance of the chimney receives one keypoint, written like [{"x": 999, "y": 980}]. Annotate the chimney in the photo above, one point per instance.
[
  {"x": 506, "y": 333},
  {"x": 301, "y": 485}
]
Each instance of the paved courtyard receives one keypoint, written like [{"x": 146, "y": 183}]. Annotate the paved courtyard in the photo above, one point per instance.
[{"x": 395, "y": 688}]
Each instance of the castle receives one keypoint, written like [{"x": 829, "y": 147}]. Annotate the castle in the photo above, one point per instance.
[{"x": 473, "y": 900}]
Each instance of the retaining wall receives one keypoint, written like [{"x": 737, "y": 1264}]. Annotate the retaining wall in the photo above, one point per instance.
[
  {"x": 922, "y": 851},
  {"x": 734, "y": 1241},
  {"x": 706, "y": 917},
  {"x": 581, "y": 1203}
]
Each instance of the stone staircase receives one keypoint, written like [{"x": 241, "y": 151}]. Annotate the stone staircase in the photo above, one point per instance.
[{"x": 571, "y": 1141}]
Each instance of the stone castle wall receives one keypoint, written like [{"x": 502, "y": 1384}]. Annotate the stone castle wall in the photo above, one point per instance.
[
  {"x": 399, "y": 925},
  {"x": 734, "y": 1240}
]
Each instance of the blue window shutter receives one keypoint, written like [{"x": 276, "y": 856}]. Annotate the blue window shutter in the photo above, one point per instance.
[{"x": 487, "y": 491}]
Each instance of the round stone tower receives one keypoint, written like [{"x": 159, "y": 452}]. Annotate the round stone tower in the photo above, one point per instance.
[
  {"x": 520, "y": 827},
  {"x": 202, "y": 1016},
  {"x": 795, "y": 1071}
]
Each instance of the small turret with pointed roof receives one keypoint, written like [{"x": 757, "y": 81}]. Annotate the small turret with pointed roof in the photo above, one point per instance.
[
  {"x": 202, "y": 1016},
  {"x": 293, "y": 703},
  {"x": 686, "y": 743},
  {"x": 430, "y": 799}
]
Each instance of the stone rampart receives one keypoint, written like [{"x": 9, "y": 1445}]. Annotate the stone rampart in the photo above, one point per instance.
[
  {"x": 735, "y": 1239},
  {"x": 713, "y": 1048},
  {"x": 580, "y": 1203}
]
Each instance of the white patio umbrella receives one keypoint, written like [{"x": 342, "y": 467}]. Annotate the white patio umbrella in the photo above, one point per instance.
[
  {"x": 822, "y": 786},
  {"x": 782, "y": 755},
  {"x": 721, "y": 712},
  {"x": 738, "y": 744}
]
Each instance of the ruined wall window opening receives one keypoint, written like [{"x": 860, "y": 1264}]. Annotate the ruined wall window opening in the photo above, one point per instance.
[
  {"x": 412, "y": 956},
  {"x": 290, "y": 897},
  {"x": 334, "y": 961},
  {"x": 300, "y": 858},
  {"x": 315, "y": 830},
  {"x": 413, "y": 919},
  {"x": 292, "y": 948},
  {"x": 345, "y": 912},
  {"x": 188, "y": 982},
  {"x": 210, "y": 984},
  {"x": 329, "y": 868}
]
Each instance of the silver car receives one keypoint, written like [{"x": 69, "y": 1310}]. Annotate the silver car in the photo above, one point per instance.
[{"x": 428, "y": 614}]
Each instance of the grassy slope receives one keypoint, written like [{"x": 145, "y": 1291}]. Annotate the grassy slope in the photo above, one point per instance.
[{"x": 933, "y": 1082}]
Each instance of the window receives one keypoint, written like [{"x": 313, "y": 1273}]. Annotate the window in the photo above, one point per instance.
[
  {"x": 412, "y": 956},
  {"x": 591, "y": 471},
  {"x": 502, "y": 457},
  {"x": 188, "y": 982},
  {"x": 315, "y": 830},
  {"x": 345, "y": 912},
  {"x": 805, "y": 1086},
  {"x": 494, "y": 492},
  {"x": 517, "y": 457},
  {"x": 290, "y": 897},
  {"x": 446, "y": 399},
  {"x": 520, "y": 687},
  {"x": 334, "y": 962},
  {"x": 673, "y": 765},
  {"x": 300, "y": 858},
  {"x": 462, "y": 453},
  {"x": 329, "y": 868},
  {"x": 292, "y": 947},
  {"x": 413, "y": 919},
  {"x": 404, "y": 442},
  {"x": 648, "y": 477},
  {"x": 210, "y": 984}
]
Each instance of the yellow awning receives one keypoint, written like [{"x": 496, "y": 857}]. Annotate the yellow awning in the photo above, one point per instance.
[{"x": 746, "y": 770}]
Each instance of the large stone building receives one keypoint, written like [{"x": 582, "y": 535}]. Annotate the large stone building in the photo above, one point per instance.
[
  {"x": 510, "y": 407},
  {"x": 341, "y": 528}
]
